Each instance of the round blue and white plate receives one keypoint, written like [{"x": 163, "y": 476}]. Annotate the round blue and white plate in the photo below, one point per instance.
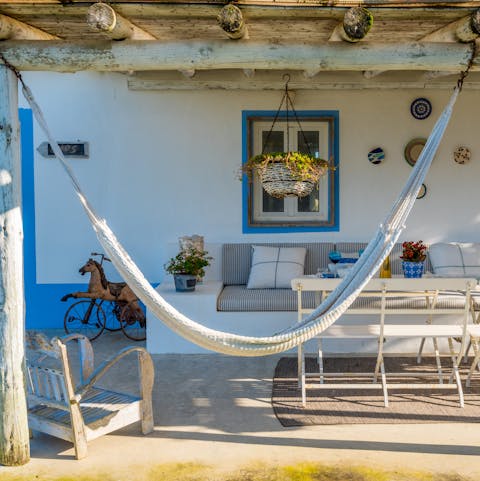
[
  {"x": 421, "y": 108},
  {"x": 376, "y": 156}
]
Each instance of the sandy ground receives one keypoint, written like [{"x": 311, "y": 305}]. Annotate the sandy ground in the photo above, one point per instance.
[{"x": 216, "y": 410}]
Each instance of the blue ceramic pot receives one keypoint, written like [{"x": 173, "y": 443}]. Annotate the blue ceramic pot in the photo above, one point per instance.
[
  {"x": 412, "y": 269},
  {"x": 184, "y": 282}
]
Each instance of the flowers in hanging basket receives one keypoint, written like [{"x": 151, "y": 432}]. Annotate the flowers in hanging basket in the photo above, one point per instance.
[
  {"x": 303, "y": 167},
  {"x": 414, "y": 251}
]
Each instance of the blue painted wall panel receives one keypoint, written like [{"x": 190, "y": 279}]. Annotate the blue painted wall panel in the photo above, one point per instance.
[{"x": 43, "y": 306}]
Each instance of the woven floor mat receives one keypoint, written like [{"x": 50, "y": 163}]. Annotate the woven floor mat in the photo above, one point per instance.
[{"x": 351, "y": 406}]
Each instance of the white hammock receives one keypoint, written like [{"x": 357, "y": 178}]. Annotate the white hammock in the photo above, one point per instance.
[{"x": 321, "y": 318}]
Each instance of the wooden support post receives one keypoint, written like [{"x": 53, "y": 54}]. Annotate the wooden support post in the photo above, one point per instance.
[
  {"x": 14, "y": 436},
  {"x": 103, "y": 18},
  {"x": 15, "y": 30},
  {"x": 231, "y": 21}
]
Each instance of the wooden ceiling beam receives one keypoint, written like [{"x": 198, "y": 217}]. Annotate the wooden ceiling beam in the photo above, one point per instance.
[
  {"x": 356, "y": 24},
  {"x": 316, "y": 3},
  {"x": 232, "y": 23},
  {"x": 263, "y": 80},
  {"x": 204, "y": 55},
  {"x": 460, "y": 29},
  {"x": 435, "y": 74},
  {"x": 16, "y": 30},
  {"x": 103, "y": 18}
]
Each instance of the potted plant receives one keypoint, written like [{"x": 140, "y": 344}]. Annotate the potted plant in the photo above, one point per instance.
[
  {"x": 186, "y": 266},
  {"x": 414, "y": 253},
  {"x": 287, "y": 173}
]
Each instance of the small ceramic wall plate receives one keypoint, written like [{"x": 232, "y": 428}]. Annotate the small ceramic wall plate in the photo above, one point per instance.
[
  {"x": 462, "y": 155},
  {"x": 376, "y": 156},
  {"x": 421, "y": 108},
  {"x": 422, "y": 192},
  {"x": 413, "y": 150}
]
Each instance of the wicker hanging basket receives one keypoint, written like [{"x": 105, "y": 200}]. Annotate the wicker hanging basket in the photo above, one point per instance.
[{"x": 279, "y": 181}]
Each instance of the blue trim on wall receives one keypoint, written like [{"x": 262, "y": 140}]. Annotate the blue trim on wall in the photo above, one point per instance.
[
  {"x": 43, "y": 306},
  {"x": 333, "y": 151}
]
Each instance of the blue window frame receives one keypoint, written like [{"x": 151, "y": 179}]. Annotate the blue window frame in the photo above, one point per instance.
[{"x": 318, "y": 212}]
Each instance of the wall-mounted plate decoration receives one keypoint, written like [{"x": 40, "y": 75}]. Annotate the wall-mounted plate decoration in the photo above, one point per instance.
[
  {"x": 422, "y": 192},
  {"x": 413, "y": 150},
  {"x": 376, "y": 156},
  {"x": 421, "y": 108},
  {"x": 462, "y": 155}
]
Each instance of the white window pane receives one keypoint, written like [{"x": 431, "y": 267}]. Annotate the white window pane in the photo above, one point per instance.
[
  {"x": 272, "y": 141},
  {"x": 309, "y": 142}
]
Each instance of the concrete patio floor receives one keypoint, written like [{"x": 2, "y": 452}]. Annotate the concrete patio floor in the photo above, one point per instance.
[{"x": 216, "y": 410}]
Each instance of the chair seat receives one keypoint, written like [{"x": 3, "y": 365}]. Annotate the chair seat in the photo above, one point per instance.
[{"x": 96, "y": 405}]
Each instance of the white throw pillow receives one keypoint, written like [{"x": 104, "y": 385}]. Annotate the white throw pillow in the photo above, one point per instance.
[
  {"x": 456, "y": 259},
  {"x": 275, "y": 267}
]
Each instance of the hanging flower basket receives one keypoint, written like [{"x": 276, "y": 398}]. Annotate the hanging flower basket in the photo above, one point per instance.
[{"x": 285, "y": 174}]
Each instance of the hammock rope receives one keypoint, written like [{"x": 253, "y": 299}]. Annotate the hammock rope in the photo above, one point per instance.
[{"x": 323, "y": 316}]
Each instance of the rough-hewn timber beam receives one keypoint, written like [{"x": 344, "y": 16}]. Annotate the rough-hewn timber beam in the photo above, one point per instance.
[
  {"x": 15, "y": 30},
  {"x": 470, "y": 30},
  {"x": 434, "y": 74},
  {"x": 357, "y": 22},
  {"x": 464, "y": 29},
  {"x": 103, "y": 18},
  {"x": 188, "y": 73},
  {"x": 368, "y": 74},
  {"x": 157, "y": 55},
  {"x": 232, "y": 23},
  {"x": 263, "y": 80}
]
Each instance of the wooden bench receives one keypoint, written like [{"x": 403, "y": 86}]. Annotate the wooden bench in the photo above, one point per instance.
[
  {"x": 81, "y": 411},
  {"x": 399, "y": 296}
]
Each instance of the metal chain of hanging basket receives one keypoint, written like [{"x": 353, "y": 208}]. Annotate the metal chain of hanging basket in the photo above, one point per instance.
[{"x": 285, "y": 174}]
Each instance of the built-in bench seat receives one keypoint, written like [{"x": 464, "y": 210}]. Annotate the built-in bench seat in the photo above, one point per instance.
[
  {"x": 237, "y": 260},
  {"x": 223, "y": 301},
  {"x": 241, "y": 299}
]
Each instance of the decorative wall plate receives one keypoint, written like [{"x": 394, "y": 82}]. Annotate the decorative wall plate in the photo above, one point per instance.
[
  {"x": 413, "y": 150},
  {"x": 421, "y": 108},
  {"x": 462, "y": 155},
  {"x": 422, "y": 192},
  {"x": 376, "y": 156}
]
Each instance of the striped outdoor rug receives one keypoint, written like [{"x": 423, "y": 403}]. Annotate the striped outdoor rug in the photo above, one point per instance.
[{"x": 350, "y": 406}]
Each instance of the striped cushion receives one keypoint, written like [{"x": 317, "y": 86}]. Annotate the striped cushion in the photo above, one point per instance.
[
  {"x": 241, "y": 299},
  {"x": 237, "y": 259}
]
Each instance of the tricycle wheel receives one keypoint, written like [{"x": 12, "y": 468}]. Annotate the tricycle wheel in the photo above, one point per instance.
[
  {"x": 85, "y": 317},
  {"x": 133, "y": 321}
]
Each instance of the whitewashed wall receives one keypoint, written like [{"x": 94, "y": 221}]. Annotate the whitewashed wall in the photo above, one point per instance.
[{"x": 163, "y": 164}]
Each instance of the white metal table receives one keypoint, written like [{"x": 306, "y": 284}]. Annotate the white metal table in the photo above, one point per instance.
[{"x": 381, "y": 291}]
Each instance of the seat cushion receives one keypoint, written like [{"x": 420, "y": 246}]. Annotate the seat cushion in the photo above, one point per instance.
[
  {"x": 237, "y": 259},
  {"x": 241, "y": 299},
  {"x": 275, "y": 267},
  {"x": 455, "y": 259}
]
